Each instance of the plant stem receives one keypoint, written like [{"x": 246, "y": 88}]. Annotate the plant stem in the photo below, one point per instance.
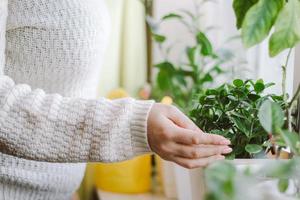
[
  {"x": 284, "y": 74},
  {"x": 295, "y": 98},
  {"x": 285, "y": 97}
]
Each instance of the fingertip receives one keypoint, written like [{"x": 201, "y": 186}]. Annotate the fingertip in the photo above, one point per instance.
[
  {"x": 227, "y": 150},
  {"x": 225, "y": 142}
]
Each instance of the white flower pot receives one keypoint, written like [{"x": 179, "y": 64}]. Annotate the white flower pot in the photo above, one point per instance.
[{"x": 191, "y": 185}]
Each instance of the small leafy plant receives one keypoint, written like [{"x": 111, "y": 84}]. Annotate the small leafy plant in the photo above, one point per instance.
[
  {"x": 225, "y": 181},
  {"x": 200, "y": 66},
  {"x": 256, "y": 19},
  {"x": 232, "y": 110}
]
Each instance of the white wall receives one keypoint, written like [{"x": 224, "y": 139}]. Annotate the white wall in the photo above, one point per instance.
[
  {"x": 172, "y": 29},
  {"x": 221, "y": 15}
]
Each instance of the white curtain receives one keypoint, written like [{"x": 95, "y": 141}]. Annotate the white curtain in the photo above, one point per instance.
[{"x": 126, "y": 58}]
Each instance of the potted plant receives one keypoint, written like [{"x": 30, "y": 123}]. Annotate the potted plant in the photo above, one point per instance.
[
  {"x": 253, "y": 120},
  {"x": 225, "y": 180},
  {"x": 232, "y": 110}
]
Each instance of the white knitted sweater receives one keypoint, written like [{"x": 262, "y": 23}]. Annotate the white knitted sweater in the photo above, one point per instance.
[{"x": 50, "y": 54}]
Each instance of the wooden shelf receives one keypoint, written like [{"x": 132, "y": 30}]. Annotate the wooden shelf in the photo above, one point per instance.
[{"x": 114, "y": 196}]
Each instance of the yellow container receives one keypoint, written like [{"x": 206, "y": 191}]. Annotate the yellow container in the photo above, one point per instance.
[{"x": 133, "y": 176}]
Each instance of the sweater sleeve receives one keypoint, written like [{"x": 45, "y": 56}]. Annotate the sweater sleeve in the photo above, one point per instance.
[{"x": 48, "y": 127}]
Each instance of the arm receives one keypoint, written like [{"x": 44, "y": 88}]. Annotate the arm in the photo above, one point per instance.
[{"x": 49, "y": 127}]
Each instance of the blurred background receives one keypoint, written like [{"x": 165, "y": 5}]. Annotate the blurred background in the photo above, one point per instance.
[{"x": 147, "y": 33}]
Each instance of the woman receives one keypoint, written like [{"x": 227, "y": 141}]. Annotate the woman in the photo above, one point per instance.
[{"x": 50, "y": 121}]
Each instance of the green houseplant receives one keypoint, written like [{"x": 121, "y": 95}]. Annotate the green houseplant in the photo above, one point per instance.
[
  {"x": 256, "y": 18},
  {"x": 273, "y": 115},
  {"x": 233, "y": 109},
  {"x": 201, "y": 63},
  {"x": 235, "y": 183}
]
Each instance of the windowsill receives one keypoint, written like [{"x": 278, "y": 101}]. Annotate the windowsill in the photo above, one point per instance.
[{"x": 114, "y": 196}]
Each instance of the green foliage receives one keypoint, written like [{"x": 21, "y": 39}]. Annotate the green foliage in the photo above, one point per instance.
[
  {"x": 283, "y": 185},
  {"x": 220, "y": 180},
  {"x": 271, "y": 116},
  {"x": 158, "y": 38},
  {"x": 205, "y": 44},
  {"x": 232, "y": 110},
  {"x": 256, "y": 18},
  {"x": 287, "y": 28},
  {"x": 291, "y": 140},
  {"x": 172, "y": 15},
  {"x": 253, "y": 148},
  {"x": 241, "y": 7},
  {"x": 259, "y": 21},
  {"x": 200, "y": 66},
  {"x": 237, "y": 181},
  {"x": 226, "y": 181}
]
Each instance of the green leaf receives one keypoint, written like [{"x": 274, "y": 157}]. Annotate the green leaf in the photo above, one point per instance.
[
  {"x": 283, "y": 185},
  {"x": 253, "y": 97},
  {"x": 241, "y": 7},
  {"x": 158, "y": 38},
  {"x": 281, "y": 169},
  {"x": 167, "y": 66},
  {"x": 259, "y": 21},
  {"x": 238, "y": 82},
  {"x": 220, "y": 178},
  {"x": 206, "y": 46},
  {"x": 166, "y": 71},
  {"x": 259, "y": 87},
  {"x": 163, "y": 80},
  {"x": 190, "y": 52},
  {"x": 230, "y": 156},
  {"x": 271, "y": 116},
  {"x": 222, "y": 171},
  {"x": 253, "y": 148},
  {"x": 240, "y": 124},
  {"x": 211, "y": 92},
  {"x": 218, "y": 69},
  {"x": 287, "y": 28},
  {"x": 207, "y": 78},
  {"x": 181, "y": 79},
  {"x": 291, "y": 139},
  {"x": 269, "y": 85},
  {"x": 172, "y": 16}
]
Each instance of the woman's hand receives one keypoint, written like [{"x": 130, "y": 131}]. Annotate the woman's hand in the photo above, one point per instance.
[{"x": 174, "y": 137}]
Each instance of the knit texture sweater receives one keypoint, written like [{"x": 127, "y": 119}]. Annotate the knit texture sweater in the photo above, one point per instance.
[{"x": 50, "y": 120}]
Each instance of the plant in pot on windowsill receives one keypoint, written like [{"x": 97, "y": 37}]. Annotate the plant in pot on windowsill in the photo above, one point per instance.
[
  {"x": 232, "y": 110},
  {"x": 258, "y": 121},
  {"x": 225, "y": 181}
]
